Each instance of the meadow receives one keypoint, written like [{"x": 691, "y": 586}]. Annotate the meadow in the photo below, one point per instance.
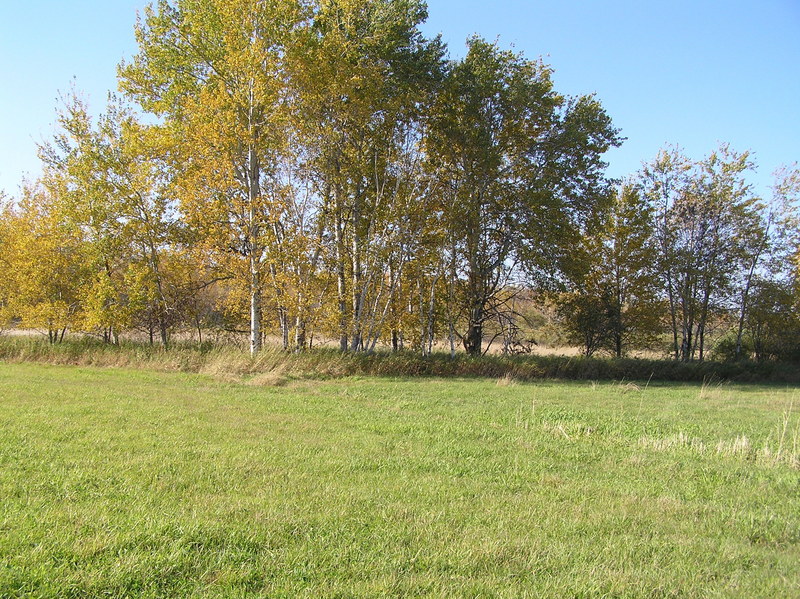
[{"x": 118, "y": 482}]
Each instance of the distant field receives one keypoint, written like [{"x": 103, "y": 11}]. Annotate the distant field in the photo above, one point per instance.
[
  {"x": 124, "y": 483},
  {"x": 242, "y": 340}
]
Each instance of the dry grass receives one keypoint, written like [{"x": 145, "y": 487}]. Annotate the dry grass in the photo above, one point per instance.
[
  {"x": 230, "y": 363},
  {"x": 782, "y": 447},
  {"x": 273, "y": 378},
  {"x": 507, "y": 380},
  {"x": 629, "y": 387},
  {"x": 715, "y": 390}
]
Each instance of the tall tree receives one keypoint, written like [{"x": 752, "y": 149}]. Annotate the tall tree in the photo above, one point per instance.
[
  {"x": 109, "y": 181},
  {"x": 665, "y": 181},
  {"x": 772, "y": 321},
  {"x": 704, "y": 212},
  {"x": 364, "y": 75},
  {"x": 768, "y": 241},
  {"x": 44, "y": 264},
  {"x": 6, "y": 237},
  {"x": 626, "y": 250},
  {"x": 520, "y": 169},
  {"x": 83, "y": 198},
  {"x": 214, "y": 72}
]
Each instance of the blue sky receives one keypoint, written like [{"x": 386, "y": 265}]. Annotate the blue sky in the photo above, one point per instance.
[{"x": 692, "y": 73}]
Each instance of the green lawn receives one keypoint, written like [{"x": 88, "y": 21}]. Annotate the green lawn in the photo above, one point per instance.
[{"x": 121, "y": 483}]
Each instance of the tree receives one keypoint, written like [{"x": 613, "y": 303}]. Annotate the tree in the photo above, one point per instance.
[
  {"x": 614, "y": 300},
  {"x": 627, "y": 254},
  {"x": 703, "y": 213},
  {"x": 214, "y": 72},
  {"x": 587, "y": 318},
  {"x": 772, "y": 324},
  {"x": 768, "y": 241},
  {"x": 364, "y": 75},
  {"x": 44, "y": 264},
  {"x": 519, "y": 168},
  {"x": 7, "y": 265},
  {"x": 108, "y": 181}
]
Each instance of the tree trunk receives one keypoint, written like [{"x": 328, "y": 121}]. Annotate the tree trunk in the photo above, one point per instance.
[
  {"x": 255, "y": 308},
  {"x": 688, "y": 318},
  {"x": 431, "y": 314},
  {"x": 701, "y": 327},
  {"x": 253, "y": 175},
  {"x": 162, "y": 326},
  {"x": 673, "y": 313},
  {"x": 341, "y": 279},
  {"x": 745, "y": 295},
  {"x": 451, "y": 325},
  {"x": 301, "y": 320},
  {"x": 359, "y": 285},
  {"x": 473, "y": 340},
  {"x": 423, "y": 323},
  {"x": 283, "y": 319},
  {"x": 299, "y": 334},
  {"x": 162, "y": 300}
]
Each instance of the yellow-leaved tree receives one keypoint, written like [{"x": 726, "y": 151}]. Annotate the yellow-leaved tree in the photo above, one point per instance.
[
  {"x": 44, "y": 264},
  {"x": 6, "y": 265},
  {"x": 364, "y": 76},
  {"x": 214, "y": 73},
  {"x": 108, "y": 181}
]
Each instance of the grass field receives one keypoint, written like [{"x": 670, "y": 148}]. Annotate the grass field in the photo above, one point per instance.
[{"x": 131, "y": 483}]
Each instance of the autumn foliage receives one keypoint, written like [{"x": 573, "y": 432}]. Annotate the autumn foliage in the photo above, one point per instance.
[{"x": 320, "y": 170}]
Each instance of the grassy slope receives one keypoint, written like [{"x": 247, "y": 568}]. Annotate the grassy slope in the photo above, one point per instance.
[{"x": 135, "y": 483}]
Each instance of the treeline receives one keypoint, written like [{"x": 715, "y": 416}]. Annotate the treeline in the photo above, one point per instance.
[
  {"x": 319, "y": 167},
  {"x": 686, "y": 250}
]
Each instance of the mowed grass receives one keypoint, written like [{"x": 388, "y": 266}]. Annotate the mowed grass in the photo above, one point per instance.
[{"x": 123, "y": 483}]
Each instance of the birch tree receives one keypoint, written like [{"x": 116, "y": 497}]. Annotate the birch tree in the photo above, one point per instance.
[
  {"x": 363, "y": 77},
  {"x": 705, "y": 213},
  {"x": 214, "y": 73}
]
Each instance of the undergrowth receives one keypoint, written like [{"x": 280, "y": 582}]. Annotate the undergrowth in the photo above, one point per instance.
[{"x": 273, "y": 366}]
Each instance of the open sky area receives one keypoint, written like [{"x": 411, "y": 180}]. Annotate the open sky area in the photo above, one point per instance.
[{"x": 686, "y": 72}]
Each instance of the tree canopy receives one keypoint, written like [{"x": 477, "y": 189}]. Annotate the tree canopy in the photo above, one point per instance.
[{"x": 321, "y": 169}]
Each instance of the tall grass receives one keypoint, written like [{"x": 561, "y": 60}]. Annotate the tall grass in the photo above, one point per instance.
[{"x": 273, "y": 366}]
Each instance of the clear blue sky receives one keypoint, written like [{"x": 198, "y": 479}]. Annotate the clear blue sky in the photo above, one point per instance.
[{"x": 689, "y": 72}]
